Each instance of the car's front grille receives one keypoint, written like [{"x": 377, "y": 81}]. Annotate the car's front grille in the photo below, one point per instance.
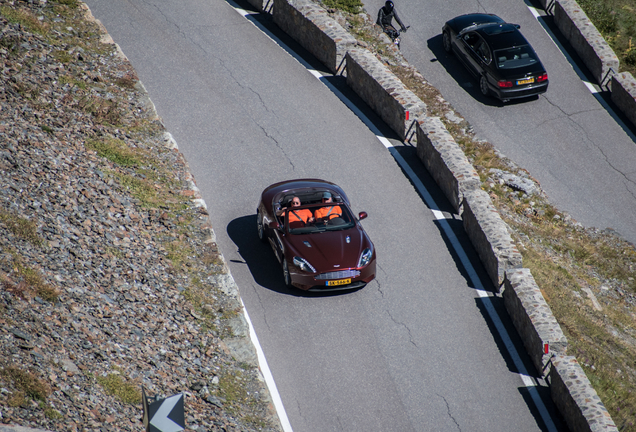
[{"x": 342, "y": 274}]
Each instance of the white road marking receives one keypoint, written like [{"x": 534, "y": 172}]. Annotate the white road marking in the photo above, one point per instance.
[
  {"x": 267, "y": 375},
  {"x": 593, "y": 88},
  {"x": 527, "y": 380}
]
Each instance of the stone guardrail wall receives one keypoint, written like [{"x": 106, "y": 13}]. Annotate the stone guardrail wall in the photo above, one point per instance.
[
  {"x": 489, "y": 235},
  {"x": 573, "y": 393},
  {"x": 595, "y": 52},
  {"x": 446, "y": 162},
  {"x": 533, "y": 318},
  {"x": 624, "y": 94},
  {"x": 311, "y": 26},
  {"x": 586, "y": 40},
  {"x": 382, "y": 91},
  {"x": 377, "y": 86}
]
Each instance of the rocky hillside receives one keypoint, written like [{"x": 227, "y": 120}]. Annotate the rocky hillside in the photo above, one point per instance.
[{"x": 110, "y": 279}]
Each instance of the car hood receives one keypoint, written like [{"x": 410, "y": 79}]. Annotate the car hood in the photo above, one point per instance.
[{"x": 329, "y": 250}]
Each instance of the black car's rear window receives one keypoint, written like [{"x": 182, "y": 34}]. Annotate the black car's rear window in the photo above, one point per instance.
[
  {"x": 499, "y": 29},
  {"x": 511, "y": 58}
]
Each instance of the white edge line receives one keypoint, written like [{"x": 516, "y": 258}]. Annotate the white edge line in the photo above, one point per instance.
[
  {"x": 267, "y": 375},
  {"x": 590, "y": 86},
  {"x": 526, "y": 379}
]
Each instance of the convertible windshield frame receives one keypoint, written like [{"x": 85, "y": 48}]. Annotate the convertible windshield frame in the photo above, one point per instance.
[{"x": 332, "y": 222}]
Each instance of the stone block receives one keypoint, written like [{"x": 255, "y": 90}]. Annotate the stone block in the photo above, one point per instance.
[
  {"x": 445, "y": 160},
  {"x": 624, "y": 94},
  {"x": 586, "y": 40},
  {"x": 533, "y": 318},
  {"x": 576, "y": 399},
  {"x": 489, "y": 236},
  {"x": 311, "y": 26},
  {"x": 397, "y": 106}
]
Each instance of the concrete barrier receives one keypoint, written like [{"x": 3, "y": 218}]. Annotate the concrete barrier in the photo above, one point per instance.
[
  {"x": 396, "y": 105},
  {"x": 533, "y": 318},
  {"x": 576, "y": 399},
  {"x": 445, "y": 160},
  {"x": 489, "y": 235},
  {"x": 310, "y": 25},
  {"x": 624, "y": 94},
  {"x": 586, "y": 40}
]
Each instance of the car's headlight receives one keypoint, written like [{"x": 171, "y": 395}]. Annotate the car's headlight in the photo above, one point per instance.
[
  {"x": 302, "y": 264},
  {"x": 365, "y": 258}
]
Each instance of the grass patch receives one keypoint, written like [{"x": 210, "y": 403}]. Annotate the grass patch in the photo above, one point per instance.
[
  {"x": 616, "y": 20},
  {"x": 25, "y": 282},
  {"x": 115, "y": 151},
  {"x": 350, "y": 6},
  {"x": 72, "y": 4},
  {"x": 116, "y": 385},
  {"x": 232, "y": 390},
  {"x": 21, "y": 227},
  {"x": 25, "y": 18},
  {"x": 52, "y": 414},
  {"x": 104, "y": 111},
  {"x": 26, "y": 384},
  {"x": 62, "y": 56}
]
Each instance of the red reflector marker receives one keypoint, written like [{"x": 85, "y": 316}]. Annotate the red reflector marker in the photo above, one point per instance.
[
  {"x": 546, "y": 348},
  {"x": 407, "y": 115}
]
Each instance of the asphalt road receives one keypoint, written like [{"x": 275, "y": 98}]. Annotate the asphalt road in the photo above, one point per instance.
[
  {"x": 417, "y": 349},
  {"x": 567, "y": 138}
]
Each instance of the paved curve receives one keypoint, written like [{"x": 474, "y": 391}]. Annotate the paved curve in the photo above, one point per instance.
[
  {"x": 566, "y": 139},
  {"x": 414, "y": 350}
]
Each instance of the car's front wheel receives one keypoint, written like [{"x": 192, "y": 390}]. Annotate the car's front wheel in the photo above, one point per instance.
[
  {"x": 286, "y": 274},
  {"x": 483, "y": 86},
  {"x": 260, "y": 227},
  {"x": 446, "y": 41}
]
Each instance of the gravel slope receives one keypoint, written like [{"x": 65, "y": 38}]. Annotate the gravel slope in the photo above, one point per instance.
[{"x": 109, "y": 274}]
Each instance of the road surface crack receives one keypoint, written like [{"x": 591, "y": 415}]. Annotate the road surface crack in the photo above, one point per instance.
[
  {"x": 230, "y": 73},
  {"x": 448, "y": 410},
  {"x": 627, "y": 181},
  {"x": 408, "y": 330}
]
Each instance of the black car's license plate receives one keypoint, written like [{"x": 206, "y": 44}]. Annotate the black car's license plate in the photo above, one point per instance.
[
  {"x": 525, "y": 81},
  {"x": 338, "y": 282}
]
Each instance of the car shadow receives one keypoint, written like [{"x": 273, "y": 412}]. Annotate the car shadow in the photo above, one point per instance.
[
  {"x": 456, "y": 69},
  {"x": 261, "y": 261}
]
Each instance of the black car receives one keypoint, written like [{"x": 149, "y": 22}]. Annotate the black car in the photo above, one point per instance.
[{"x": 497, "y": 54}]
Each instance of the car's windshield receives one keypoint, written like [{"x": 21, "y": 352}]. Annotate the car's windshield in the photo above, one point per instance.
[
  {"x": 516, "y": 57},
  {"x": 317, "y": 218}
]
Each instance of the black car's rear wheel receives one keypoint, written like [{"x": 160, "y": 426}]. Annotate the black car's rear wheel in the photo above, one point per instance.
[
  {"x": 483, "y": 86},
  {"x": 260, "y": 227},
  {"x": 446, "y": 41},
  {"x": 286, "y": 274}
]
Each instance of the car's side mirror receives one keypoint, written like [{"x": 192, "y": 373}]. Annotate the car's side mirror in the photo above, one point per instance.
[{"x": 362, "y": 215}]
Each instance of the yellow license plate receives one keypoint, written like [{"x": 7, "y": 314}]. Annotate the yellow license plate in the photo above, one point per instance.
[
  {"x": 525, "y": 81},
  {"x": 338, "y": 282}
]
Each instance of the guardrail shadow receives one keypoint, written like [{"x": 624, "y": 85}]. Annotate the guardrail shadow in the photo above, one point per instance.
[
  {"x": 529, "y": 393},
  {"x": 261, "y": 261},
  {"x": 452, "y": 220}
]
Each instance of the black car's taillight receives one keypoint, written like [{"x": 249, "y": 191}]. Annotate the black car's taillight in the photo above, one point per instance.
[{"x": 542, "y": 78}]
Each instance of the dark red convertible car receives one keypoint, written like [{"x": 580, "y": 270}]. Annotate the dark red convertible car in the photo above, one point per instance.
[{"x": 315, "y": 236}]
